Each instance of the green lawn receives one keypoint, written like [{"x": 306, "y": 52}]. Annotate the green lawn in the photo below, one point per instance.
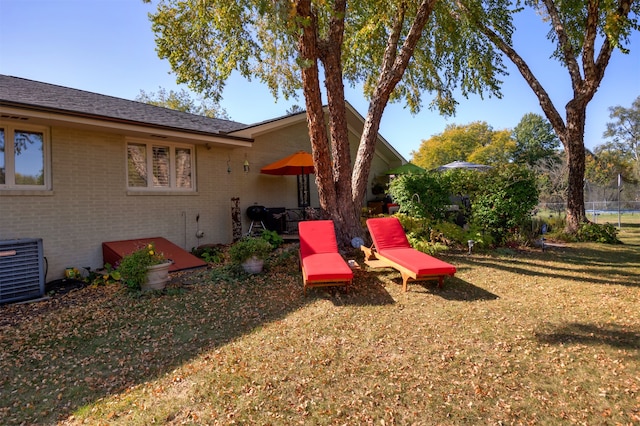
[{"x": 522, "y": 337}]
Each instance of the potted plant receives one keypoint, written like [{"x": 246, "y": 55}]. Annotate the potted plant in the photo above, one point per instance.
[
  {"x": 250, "y": 252},
  {"x": 144, "y": 269}
]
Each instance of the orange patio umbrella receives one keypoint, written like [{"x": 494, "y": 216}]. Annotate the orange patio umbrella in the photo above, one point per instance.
[{"x": 300, "y": 163}]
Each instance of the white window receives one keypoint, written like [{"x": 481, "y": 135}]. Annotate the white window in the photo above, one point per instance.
[
  {"x": 24, "y": 157},
  {"x": 160, "y": 166}
]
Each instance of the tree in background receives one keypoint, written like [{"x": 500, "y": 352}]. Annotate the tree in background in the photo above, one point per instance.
[
  {"x": 575, "y": 29},
  {"x": 552, "y": 175},
  {"x": 535, "y": 140},
  {"x": 498, "y": 151},
  {"x": 476, "y": 142},
  {"x": 182, "y": 101},
  {"x": 625, "y": 132},
  {"x": 602, "y": 168},
  {"x": 295, "y": 109},
  {"x": 395, "y": 50}
]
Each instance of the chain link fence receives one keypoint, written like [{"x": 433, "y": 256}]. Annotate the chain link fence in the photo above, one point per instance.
[{"x": 600, "y": 200}]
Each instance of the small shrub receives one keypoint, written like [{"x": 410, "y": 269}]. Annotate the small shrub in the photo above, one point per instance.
[
  {"x": 428, "y": 247},
  {"x": 272, "y": 238},
  {"x": 210, "y": 254},
  {"x": 556, "y": 223},
  {"x": 108, "y": 276},
  {"x": 248, "y": 247},
  {"x": 133, "y": 267},
  {"x": 423, "y": 195},
  {"x": 507, "y": 197},
  {"x": 599, "y": 233}
]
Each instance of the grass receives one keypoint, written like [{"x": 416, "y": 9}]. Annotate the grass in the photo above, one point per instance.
[{"x": 522, "y": 337}]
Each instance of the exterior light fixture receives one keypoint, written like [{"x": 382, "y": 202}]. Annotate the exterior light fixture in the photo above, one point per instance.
[
  {"x": 229, "y": 165},
  {"x": 246, "y": 164}
]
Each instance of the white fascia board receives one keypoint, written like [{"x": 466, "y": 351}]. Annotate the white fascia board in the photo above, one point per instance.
[
  {"x": 129, "y": 129},
  {"x": 269, "y": 126}
]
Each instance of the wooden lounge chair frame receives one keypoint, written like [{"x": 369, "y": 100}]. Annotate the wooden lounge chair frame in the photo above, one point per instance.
[
  {"x": 320, "y": 262},
  {"x": 374, "y": 259}
]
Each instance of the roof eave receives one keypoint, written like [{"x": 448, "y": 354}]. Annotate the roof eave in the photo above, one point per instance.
[{"x": 42, "y": 115}]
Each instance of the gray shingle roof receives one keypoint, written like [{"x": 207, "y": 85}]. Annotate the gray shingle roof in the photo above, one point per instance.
[{"x": 15, "y": 91}]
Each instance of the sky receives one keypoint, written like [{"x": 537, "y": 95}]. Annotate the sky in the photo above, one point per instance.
[{"x": 107, "y": 47}]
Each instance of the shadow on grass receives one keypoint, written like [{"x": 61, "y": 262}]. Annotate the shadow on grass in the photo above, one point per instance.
[
  {"x": 367, "y": 289},
  {"x": 461, "y": 290},
  {"x": 604, "y": 264},
  {"x": 591, "y": 334},
  {"x": 64, "y": 353},
  {"x": 453, "y": 288}
]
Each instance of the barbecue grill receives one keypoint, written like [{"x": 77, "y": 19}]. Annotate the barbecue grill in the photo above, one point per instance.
[{"x": 257, "y": 214}]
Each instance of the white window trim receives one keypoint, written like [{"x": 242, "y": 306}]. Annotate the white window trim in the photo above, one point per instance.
[
  {"x": 9, "y": 158},
  {"x": 172, "y": 188}
]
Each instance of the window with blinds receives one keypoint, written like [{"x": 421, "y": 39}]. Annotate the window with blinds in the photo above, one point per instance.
[{"x": 160, "y": 166}]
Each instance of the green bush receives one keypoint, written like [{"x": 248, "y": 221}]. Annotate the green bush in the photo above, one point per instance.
[
  {"x": 505, "y": 199},
  {"x": 272, "y": 238},
  {"x": 502, "y": 200},
  {"x": 210, "y": 254},
  {"x": 599, "y": 233},
  {"x": 423, "y": 195},
  {"x": 133, "y": 267},
  {"x": 248, "y": 247}
]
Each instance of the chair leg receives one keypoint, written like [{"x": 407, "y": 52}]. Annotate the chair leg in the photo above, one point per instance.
[{"x": 405, "y": 278}]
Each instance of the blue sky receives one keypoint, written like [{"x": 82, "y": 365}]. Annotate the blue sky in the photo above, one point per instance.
[{"x": 106, "y": 46}]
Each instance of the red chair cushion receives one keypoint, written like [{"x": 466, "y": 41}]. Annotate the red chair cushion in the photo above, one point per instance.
[
  {"x": 326, "y": 267},
  {"x": 418, "y": 262},
  {"x": 317, "y": 236},
  {"x": 387, "y": 232}
]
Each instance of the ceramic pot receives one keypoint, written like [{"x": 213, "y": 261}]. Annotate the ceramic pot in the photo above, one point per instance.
[
  {"x": 253, "y": 265},
  {"x": 157, "y": 277}
]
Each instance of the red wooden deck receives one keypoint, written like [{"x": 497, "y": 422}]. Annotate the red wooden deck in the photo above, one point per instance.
[{"x": 113, "y": 251}]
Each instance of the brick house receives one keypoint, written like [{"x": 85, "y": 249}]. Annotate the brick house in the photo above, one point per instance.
[{"x": 79, "y": 168}]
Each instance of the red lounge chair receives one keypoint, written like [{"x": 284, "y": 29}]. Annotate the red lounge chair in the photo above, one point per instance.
[
  {"x": 391, "y": 249},
  {"x": 321, "y": 264}
]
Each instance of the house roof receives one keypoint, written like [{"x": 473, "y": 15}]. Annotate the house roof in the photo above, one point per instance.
[
  {"x": 52, "y": 103},
  {"x": 355, "y": 122},
  {"x": 44, "y": 97}
]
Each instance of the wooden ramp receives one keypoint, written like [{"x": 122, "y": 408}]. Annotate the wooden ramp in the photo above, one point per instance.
[{"x": 113, "y": 251}]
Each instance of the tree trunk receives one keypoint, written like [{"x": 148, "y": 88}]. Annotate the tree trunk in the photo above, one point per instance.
[
  {"x": 573, "y": 141},
  {"x": 342, "y": 191},
  {"x": 309, "y": 54},
  {"x": 395, "y": 61},
  {"x": 344, "y": 214}
]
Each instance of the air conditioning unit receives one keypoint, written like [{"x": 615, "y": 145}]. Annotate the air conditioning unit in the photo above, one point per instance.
[{"x": 21, "y": 269}]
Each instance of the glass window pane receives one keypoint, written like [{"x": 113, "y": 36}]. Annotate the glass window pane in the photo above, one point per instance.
[
  {"x": 29, "y": 158},
  {"x": 137, "y": 165},
  {"x": 161, "y": 166},
  {"x": 183, "y": 168},
  {"x": 2, "y": 162}
]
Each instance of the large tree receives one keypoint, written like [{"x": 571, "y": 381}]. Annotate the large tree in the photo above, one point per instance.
[
  {"x": 585, "y": 34},
  {"x": 625, "y": 132},
  {"x": 395, "y": 49},
  {"x": 535, "y": 140},
  {"x": 182, "y": 101},
  {"x": 476, "y": 142}
]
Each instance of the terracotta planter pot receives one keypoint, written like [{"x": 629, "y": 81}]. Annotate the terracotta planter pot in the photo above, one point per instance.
[
  {"x": 157, "y": 277},
  {"x": 253, "y": 265}
]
